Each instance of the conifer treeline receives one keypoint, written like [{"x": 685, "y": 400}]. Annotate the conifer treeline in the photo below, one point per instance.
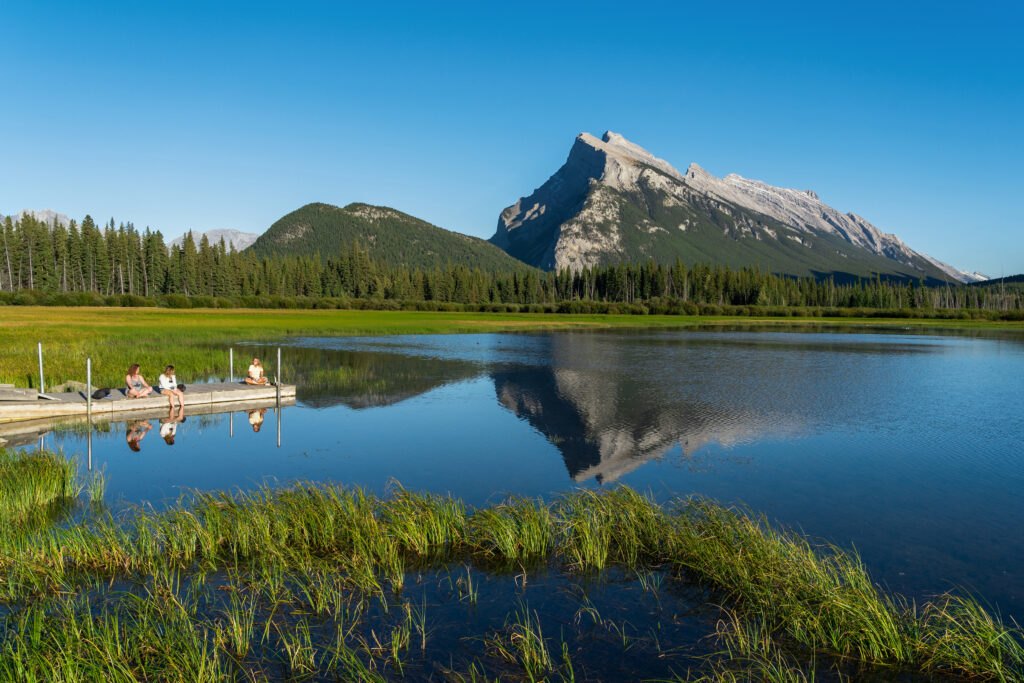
[{"x": 119, "y": 259}]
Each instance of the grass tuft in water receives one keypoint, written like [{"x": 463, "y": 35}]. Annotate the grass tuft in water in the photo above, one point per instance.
[{"x": 32, "y": 482}]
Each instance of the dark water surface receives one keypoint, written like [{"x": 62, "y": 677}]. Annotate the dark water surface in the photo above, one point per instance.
[{"x": 906, "y": 446}]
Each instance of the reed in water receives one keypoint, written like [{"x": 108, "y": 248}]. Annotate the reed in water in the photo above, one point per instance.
[{"x": 328, "y": 547}]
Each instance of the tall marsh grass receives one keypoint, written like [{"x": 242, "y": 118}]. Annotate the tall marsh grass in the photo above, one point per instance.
[
  {"x": 782, "y": 593},
  {"x": 32, "y": 483}
]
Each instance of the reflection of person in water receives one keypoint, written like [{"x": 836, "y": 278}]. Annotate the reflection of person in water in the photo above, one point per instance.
[
  {"x": 256, "y": 418},
  {"x": 169, "y": 426},
  {"x": 135, "y": 432}
]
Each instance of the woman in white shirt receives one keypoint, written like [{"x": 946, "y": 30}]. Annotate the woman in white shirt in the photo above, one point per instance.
[
  {"x": 168, "y": 384},
  {"x": 256, "y": 373}
]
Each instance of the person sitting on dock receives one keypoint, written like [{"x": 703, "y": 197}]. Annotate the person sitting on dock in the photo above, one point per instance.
[
  {"x": 137, "y": 385},
  {"x": 168, "y": 384},
  {"x": 256, "y": 373}
]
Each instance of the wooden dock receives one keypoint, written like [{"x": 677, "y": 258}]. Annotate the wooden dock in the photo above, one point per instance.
[
  {"x": 73, "y": 403},
  {"x": 26, "y": 432}
]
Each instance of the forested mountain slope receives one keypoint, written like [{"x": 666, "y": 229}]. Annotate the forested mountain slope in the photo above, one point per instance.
[{"x": 391, "y": 236}]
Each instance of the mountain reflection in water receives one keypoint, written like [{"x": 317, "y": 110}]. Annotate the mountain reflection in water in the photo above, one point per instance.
[
  {"x": 607, "y": 424},
  {"x": 906, "y": 446},
  {"x": 604, "y": 438},
  {"x": 588, "y": 394}
]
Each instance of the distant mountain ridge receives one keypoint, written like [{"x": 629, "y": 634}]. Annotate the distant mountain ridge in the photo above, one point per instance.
[
  {"x": 387, "y": 234},
  {"x": 614, "y": 201},
  {"x": 996, "y": 281},
  {"x": 47, "y": 216},
  {"x": 240, "y": 240}
]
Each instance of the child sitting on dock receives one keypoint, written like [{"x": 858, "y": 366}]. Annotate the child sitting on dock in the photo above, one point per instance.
[
  {"x": 137, "y": 385},
  {"x": 256, "y": 373},
  {"x": 168, "y": 384}
]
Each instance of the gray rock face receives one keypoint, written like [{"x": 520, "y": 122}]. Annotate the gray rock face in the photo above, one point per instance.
[
  {"x": 240, "y": 240},
  {"x": 530, "y": 228},
  {"x": 803, "y": 210},
  {"x": 548, "y": 227},
  {"x": 956, "y": 273},
  {"x": 612, "y": 200}
]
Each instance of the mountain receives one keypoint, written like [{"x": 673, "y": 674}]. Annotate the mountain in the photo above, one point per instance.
[
  {"x": 48, "y": 216},
  {"x": 997, "y": 281},
  {"x": 614, "y": 201},
  {"x": 395, "y": 237},
  {"x": 239, "y": 239}
]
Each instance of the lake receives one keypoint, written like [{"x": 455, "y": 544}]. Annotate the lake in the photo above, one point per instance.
[{"x": 904, "y": 446}]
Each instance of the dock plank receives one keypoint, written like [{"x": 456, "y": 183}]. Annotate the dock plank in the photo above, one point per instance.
[{"x": 15, "y": 394}]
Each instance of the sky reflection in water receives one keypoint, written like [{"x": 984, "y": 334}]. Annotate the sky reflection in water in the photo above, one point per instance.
[{"x": 906, "y": 446}]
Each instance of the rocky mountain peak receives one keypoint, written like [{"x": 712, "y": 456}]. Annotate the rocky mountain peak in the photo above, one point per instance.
[
  {"x": 622, "y": 159},
  {"x": 626, "y": 147},
  {"x": 613, "y": 200},
  {"x": 694, "y": 171}
]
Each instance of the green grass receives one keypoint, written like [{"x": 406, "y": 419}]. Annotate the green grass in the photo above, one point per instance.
[
  {"x": 195, "y": 340},
  {"x": 33, "y": 485},
  {"x": 522, "y": 642},
  {"x": 316, "y": 552}
]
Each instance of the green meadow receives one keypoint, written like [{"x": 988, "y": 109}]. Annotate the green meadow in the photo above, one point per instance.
[{"x": 195, "y": 340}]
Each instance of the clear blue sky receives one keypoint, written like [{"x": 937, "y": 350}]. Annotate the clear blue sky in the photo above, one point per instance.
[{"x": 217, "y": 115}]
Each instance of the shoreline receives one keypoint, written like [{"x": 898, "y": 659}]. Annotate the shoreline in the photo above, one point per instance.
[{"x": 194, "y": 339}]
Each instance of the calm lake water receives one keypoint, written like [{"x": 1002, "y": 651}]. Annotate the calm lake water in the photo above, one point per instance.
[{"x": 906, "y": 446}]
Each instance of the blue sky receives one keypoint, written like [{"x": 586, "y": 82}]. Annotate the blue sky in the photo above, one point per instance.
[{"x": 199, "y": 116}]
